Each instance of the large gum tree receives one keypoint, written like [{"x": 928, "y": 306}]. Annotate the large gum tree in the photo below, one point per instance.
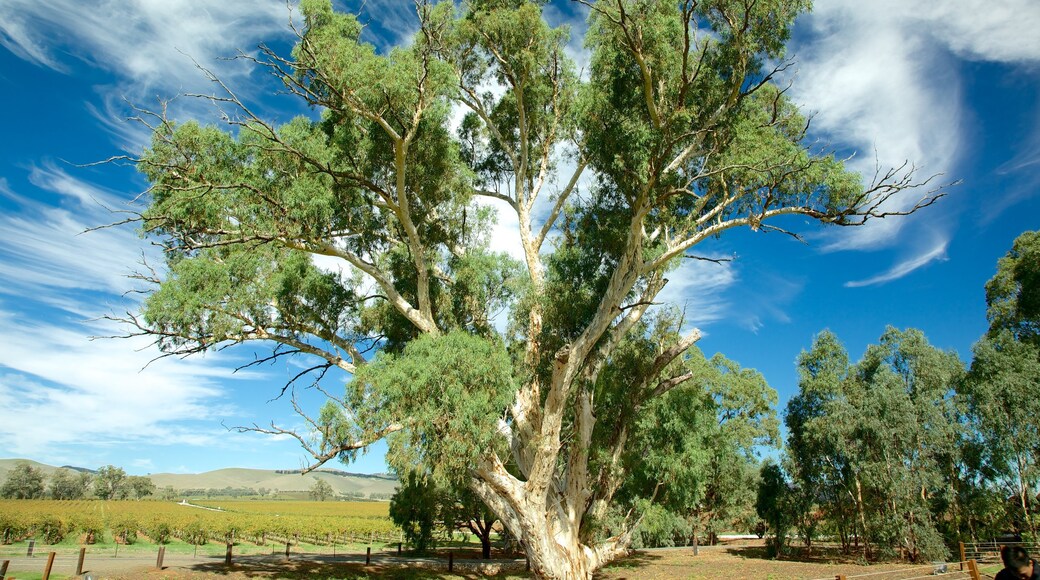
[{"x": 673, "y": 133}]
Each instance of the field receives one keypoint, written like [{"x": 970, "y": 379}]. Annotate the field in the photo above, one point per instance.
[{"x": 255, "y": 522}]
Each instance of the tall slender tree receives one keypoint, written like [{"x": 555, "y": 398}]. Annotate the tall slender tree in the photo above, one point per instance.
[
  {"x": 1000, "y": 391},
  {"x": 675, "y": 134}
]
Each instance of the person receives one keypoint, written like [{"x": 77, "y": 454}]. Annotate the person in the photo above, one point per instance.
[{"x": 1017, "y": 565}]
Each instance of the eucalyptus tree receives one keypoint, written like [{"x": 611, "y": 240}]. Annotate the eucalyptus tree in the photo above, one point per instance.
[
  {"x": 820, "y": 448},
  {"x": 694, "y": 449},
  {"x": 1000, "y": 392},
  {"x": 23, "y": 482},
  {"x": 908, "y": 430},
  {"x": 673, "y": 134},
  {"x": 64, "y": 485},
  {"x": 875, "y": 444}
]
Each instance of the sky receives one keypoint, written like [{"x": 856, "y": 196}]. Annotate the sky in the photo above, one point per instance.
[{"x": 952, "y": 87}]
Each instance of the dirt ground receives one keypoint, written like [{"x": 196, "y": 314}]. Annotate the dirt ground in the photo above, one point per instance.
[{"x": 739, "y": 560}]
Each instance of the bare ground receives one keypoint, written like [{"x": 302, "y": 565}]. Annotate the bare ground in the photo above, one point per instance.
[{"x": 744, "y": 559}]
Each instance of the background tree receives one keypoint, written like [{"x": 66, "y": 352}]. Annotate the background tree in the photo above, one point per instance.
[
  {"x": 65, "y": 485},
  {"x": 773, "y": 505},
  {"x": 110, "y": 483},
  {"x": 874, "y": 445},
  {"x": 23, "y": 482},
  {"x": 694, "y": 449},
  {"x": 139, "y": 486},
  {"x": 675, "y": 135},
  {"x": 463, "y": 510},
  {"x": 414, "y": 509},
  {"x": 321, "y": 490},
  {"x": 1000, "y": 391}
]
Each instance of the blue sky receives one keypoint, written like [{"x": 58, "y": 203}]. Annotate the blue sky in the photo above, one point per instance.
[{"x": 953, "y": 87}]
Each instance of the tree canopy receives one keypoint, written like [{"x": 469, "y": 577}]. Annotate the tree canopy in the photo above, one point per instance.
[{"x": 673, "y": 134}]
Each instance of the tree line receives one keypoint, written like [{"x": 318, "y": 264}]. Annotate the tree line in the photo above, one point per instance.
[
  {"x": 109, "y": 482},
  {"x": 910, "y": 450}
]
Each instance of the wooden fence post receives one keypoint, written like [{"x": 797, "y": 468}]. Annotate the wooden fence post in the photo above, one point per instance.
[
  {"x": 50, "y": 564},
  {"x": 3, "y": 569},
  {"x": 963, "y": 559},
  {"x": 287, "y": 549},
  {"x": 451, "y": 561},
  {"x": 227, "y": 556},
  {"x": 973, "y": 569},
  {"x": 840, "y": 577},
  {"x": 368, "y": 555},
  {"x": 399, "y": 548},
  {"x": 32, "y": 546},
  {"x": 79, "y": 564},
  {"x": 158, "y": 561}
]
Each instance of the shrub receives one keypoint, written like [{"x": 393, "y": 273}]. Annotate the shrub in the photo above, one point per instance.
[{"x": 50, "y": 529}]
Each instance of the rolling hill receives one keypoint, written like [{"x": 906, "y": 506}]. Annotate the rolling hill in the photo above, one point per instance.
[{"x": 277, "y": 481}]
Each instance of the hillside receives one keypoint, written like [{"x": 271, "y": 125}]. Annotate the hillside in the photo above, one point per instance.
[{"x": 239, "y": 478}]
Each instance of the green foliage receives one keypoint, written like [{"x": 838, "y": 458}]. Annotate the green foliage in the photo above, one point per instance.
[
  {"x": 110, "y": 482},
  {"x": 124, "y": 528},
  {"x": 195, "y": 532},
  {"x": 414, "y": 508},
  {"x": 684, "y": 136},
  {"x": 872, "y": 445},
  {"x": 50, "y": 529},
  {"x": 773, "y": 505},
  {"x": 159, "y": 530},
  {"x": 23, "y": 482},
  {"x": 139, "y": 486},
  {"x": 66, "y": 485},
  {"x": 90, "y": 525},
  {"x": 1013, "y": 294},
  {"x": 321, "y": 490},
  {"x": 449, "y": 391},
  {"x": 660, "y": 528},
  {"x": 999, "y": 393}
]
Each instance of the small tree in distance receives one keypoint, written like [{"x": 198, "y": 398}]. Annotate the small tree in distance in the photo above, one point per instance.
[
  {"x": 675, "y": 135},
  {"x": 321, "y": 490},
  {"x": 23, "y": 482},
  {"x": 65, "y": 485},
  {"x": 110, "y": 483}
]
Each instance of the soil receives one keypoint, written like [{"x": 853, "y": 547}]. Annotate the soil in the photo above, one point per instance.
[{"x": 743, "y": 559}]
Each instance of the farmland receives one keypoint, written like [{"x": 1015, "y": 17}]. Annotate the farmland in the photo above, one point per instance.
[{"x": 256, "y": 522}]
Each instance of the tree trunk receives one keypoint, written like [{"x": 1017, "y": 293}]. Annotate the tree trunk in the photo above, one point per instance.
[{"x": 862, "y": 517}]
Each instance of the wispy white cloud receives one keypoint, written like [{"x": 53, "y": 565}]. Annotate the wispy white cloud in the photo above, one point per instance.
[
  {"x": 697, "y": 288},
  {"x": 147, "y": 46},
  {"x": 141, "y": 40},
  {"x": 873, "y": 82},
  {"x": 937, "y": 252},
  {"x": 882, "y": 80},
  {"x": 58, "y": 388},
  {"x": 45, "y": 254}
]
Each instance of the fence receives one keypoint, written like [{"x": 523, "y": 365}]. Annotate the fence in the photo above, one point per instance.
[
  {"x": 967, "y": 570},
  {"x": 104, "y": 559},
  {"x": 990, "y": 551}
]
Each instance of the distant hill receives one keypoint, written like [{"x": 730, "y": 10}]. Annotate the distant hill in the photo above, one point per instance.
[{"x": 277, "y": 481}]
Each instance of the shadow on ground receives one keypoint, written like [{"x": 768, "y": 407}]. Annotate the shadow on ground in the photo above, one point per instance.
[{"x": 293, "y": 569}]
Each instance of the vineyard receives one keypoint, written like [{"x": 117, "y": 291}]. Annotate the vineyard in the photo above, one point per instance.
[{"x": 260, "y": 523}]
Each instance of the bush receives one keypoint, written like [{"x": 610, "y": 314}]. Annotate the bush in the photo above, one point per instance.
[
  {"x": 195, "y": 533},
  {"x": 89, "y": 525},
  {"x": 159, "y": 530},
  {"x": 12, "y": 528},
  {"x": 124, "y": 529},
  {"x": 50, "y": 529}
]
